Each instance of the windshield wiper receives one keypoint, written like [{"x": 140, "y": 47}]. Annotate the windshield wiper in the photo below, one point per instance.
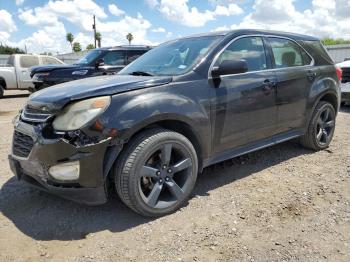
[{"x": 140, "y": 73}]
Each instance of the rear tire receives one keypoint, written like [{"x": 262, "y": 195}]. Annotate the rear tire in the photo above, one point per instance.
[
  {"x": 321, "y": 127},
  {"x": 1, "y": 91},
  {"x": 156, "y": 172}
]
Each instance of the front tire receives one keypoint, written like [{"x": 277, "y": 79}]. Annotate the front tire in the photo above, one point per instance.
[
  {"x": 2, "y": 90},
  {"x": 321, "y": 127},
  {"x": 156, "y": 172}
]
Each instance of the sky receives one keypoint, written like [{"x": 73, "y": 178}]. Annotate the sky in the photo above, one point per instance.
[{"x": 42, "y": 25}]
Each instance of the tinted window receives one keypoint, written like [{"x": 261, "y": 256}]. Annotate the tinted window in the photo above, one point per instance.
[
  {"x": 133, "y": 54},
  {"x": 115, "y": 58},
  {"x": 288, "y": 54},
  {"x": 29, "y": 61},
  {"x": 249, "y": 49},
  {"x": 50, "y": 61},
  {"x": 318, "y": 52},
  {"x": 90, "y": 57}
]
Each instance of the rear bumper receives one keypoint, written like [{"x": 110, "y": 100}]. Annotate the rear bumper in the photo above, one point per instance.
[{"x": 95, "y": 161}]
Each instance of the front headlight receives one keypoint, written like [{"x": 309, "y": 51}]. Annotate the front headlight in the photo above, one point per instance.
[{"x": 78, "y": 114}]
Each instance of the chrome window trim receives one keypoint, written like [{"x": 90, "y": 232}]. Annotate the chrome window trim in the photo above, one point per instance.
[{"x": 266, "y": 70}]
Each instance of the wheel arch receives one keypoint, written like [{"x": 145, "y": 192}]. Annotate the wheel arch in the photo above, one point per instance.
[{"x": 180, "y": 126}]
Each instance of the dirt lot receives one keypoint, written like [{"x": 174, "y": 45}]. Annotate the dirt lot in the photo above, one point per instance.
[{"x": 283, "y": 203}]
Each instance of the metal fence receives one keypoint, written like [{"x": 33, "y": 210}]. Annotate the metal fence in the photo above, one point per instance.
[{"x": 339, "y": 53}]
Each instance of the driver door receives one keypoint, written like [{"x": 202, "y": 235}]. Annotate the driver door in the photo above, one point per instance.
[{"x": 243, "y": 107}]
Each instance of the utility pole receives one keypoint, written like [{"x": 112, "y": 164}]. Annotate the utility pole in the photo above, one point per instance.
[
  {"x": 94, "y": 28},
  {"x": 25, "y": 47}
]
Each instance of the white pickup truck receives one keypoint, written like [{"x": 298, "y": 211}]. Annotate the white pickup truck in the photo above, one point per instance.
[
  {"x": 16, "y": 74},
  {"x": 345, "y": 83}
]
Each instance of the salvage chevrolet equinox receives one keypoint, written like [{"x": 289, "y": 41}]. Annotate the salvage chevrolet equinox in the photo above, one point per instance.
[{"x": 186, "y": 104}]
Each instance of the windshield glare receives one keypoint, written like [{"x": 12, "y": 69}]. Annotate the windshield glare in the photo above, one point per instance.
[
  {"x": 173, "y": 58},
  {"x": 89, "y": 57}
]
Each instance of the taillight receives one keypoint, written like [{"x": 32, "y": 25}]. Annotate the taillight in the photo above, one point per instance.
[{"x": 339, "y": 73}]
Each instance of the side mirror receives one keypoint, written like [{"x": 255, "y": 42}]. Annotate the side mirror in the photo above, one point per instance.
[
  {"x": 230, "y": 67},
  {"x": 100, "y": 62}
]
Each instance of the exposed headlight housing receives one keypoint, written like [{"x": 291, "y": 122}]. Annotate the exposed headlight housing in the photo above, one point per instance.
[{"x": 77, "y": 115}]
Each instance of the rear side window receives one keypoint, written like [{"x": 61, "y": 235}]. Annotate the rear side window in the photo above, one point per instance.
[
  {"x": 288, "y": 54},
  {"x": 115, "y": 58},
  {"x": 249, "y": 49},
  {"x": 50, "y": 61},
  {"x": 134, "y": 54},
  {"x": 29, "y": 61},
  {"x": 319, "y": 53}
]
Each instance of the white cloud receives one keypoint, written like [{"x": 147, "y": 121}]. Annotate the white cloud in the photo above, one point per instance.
[
  {"x": 6, "y": 22},
  {"x": 326, "y": 18},
  {"x": 152, "y": 3},
  {"x": 179, "y": 11},
  {"x": 159, "y": 30},
  {"x": 114, "y": 10},
  {"x": 49, "y": 18},
  {"x": 19, "y": 2}
]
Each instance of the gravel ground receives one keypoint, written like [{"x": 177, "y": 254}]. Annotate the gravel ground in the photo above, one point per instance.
[{"x": 283, "y": 203}]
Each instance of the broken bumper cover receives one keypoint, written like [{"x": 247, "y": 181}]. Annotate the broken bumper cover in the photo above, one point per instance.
[{"x": 93, "y": 159}]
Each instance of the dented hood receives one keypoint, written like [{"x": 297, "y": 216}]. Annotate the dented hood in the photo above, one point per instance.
[{"x": 56, "y": 97}]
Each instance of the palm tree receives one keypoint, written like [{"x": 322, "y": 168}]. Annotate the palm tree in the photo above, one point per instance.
[
  {"x": 70, "y": 39},
  {"x": 90, "y": 46},
  {"x": 129, "y": 37},
  {"x": 98, "y": 37},
  {"x": 76, "y": 47}
]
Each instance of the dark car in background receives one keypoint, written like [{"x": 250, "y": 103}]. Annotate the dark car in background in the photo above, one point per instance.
[
  {"x": 185, "y": 105},
  {"x": 101, "y": 61}
]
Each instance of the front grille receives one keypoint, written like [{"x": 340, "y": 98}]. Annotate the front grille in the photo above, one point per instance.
[
  {"x": 22, "y": 144},
  {"x": 35, "y": 115},
  {"x": 346, "y": 75}
]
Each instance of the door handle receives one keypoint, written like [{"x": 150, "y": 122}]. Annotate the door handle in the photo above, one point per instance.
[{"x": 268, "y": 85}]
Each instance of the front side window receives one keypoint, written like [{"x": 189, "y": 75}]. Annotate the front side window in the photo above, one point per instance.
[
  {"x": 90, "y": 57},
  {"x": 249, "y": 49},
  {"x": 114, "y": 58},
  {"x": 173, "y": 58},
  {"x": 288, "y": 54},
  {"x": 29, "y": 61}
]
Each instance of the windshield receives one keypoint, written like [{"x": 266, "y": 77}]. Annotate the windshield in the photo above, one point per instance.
[
  {"x": 173, "y": 58},
  {"x": 89, "y": 57}
]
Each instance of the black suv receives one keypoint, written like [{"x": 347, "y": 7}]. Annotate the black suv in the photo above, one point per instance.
[
  {"x": 185, "y": 105},
  {"x": 97, "y": 62}
]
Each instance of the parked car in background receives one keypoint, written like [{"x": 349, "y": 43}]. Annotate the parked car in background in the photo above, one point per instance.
[
  {"x": 16, "y": 73},
  {"x": 101, "y": 61},
  {"x": 186, "y": 104},
  {"x": 345, "y": 82}
]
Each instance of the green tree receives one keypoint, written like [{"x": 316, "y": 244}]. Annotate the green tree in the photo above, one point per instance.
[
  {"x": 129, "y": 37},
  {"x": 8, "y": 50},
  {"x": 90, "y": 47},
  {"x": 70, "y": 39},
  {"x": 331, "y": 41},
  {"x": 76, "y": 47},
  {"x": 98, "y": 37}
]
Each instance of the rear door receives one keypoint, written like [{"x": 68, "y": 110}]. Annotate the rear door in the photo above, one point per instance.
[
  {"x": 133, "y": 55},
  {"x": 243, "y": 105},
  {"x": 25, "y": 62},
  {"x": 295, "y": 74}
]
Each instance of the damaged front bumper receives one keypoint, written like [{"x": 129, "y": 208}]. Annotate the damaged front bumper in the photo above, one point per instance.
[{"x": 33, "y": 155}]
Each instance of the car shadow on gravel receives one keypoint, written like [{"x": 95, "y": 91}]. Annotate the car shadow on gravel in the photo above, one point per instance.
[
  {"x": 345, "y": 109},
  {"x": 42, "y": 216}
]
